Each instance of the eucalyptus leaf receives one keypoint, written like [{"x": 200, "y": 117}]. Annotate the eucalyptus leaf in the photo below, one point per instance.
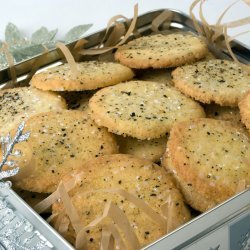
[
  {"x": 13, "y": 36},
  {"x": 76, "y": 32},
  {"x": 27, "y": 52},
  {"x": 43, "y": 36}
]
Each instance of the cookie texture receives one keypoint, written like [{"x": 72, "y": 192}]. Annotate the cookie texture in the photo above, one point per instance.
[
  {"x": 144, "y": 179},
  {"x": 210, "y": 160},
  {"x": 60, "y": 142},
  {"x": 19, "y": 104},
  {"x": 146, "y": 149},
  {"x": 141, "y": 109},
  {"x": 244, "y": 106},
  {"x": 161, "y": 51},
  {"x": 219, "y": 81},
  {"x": 92, "y": 75}
]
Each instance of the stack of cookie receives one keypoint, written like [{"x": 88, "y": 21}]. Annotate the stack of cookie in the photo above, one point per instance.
[{"x": 116, "y": 127}]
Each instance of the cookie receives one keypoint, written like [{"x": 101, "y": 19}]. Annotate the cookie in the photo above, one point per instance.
[
  {"x": 209, "y": 158},
  {"x": 146, "y": 149},
  {"x": 17, "y": 105},
  {"x": 92, "y": 75},
  {"x": 144, "y": 179},
  {"x": 244, "y": 106},
  {"x": 156, "y": 75},
  {"x": 78, "y": 100},
  {"x": 218, "y": 112},
  {"x": 141, "y": 109},
  {"x": 60, "y": 142},
  {"x": 161, "y": 51},
  {"x": 219, "y": 81}
]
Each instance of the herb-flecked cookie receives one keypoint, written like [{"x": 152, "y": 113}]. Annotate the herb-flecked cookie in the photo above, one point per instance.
[
  {"x": 210, "y": 160},
  {"x": 18, "y": 104},
  {"x": 92, "y": 75},
  {"x": 219, "y": 81},
  {"x": 142, "y": 109},
  {"x": 146, "y": 149},
  {"x": 161, "y": 51},
  {"x": 60, "y": 142},
  {"x": 244, "y": 106},
  {"x": 143, "y": 179}
]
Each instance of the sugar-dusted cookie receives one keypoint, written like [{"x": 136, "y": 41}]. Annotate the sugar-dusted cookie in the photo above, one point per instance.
[
  {"x": 146, "y": 149},
  {"x": 144, "y": 180},
  {"x": 161, "y": 51},
  {"x": 142, "y": 109},
  {"x": 218, "y": 112},
  {"x": 17, "y": 105},
  {"x": 244, "y": 106},
  {"x": 60, "y": 142},
  {"x": 92, "y": 75},
  {"x": 210, "y": 160},
  {"x": 78, "y": 100},
  {"x": 156, "y": 75},
  {"x": 219, "y": 81}
]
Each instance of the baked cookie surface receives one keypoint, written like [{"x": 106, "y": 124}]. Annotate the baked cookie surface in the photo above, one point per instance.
[
  {"x": 19, "y": 104},
  {"x": 143, "y": 179},
  {"x": 244, "y": 106},
  {"x": 161, "y": 51},
  {"x": 208, "y": 157},
  {"x": 92, "y": 75},
  {"x": 219, "y": 81},
  {"x": 142, "y": 109},
  {"x": 60, "y": 142}
]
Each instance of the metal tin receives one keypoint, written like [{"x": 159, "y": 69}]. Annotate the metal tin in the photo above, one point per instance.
[{"x": 227, "y": 226}]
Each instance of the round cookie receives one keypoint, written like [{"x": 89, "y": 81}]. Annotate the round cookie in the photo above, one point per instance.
[
  {"x": 219, "y": 81},
  {"x": 60, "y": 142},
  {"x": 142, "y": 109},
  {"x": 18, "y": 104},
  {"x": 156, "y": 75},
  {"x": 210, "y": 160},
  {"x": 144, "y": 179},
  {"x": 92, "y": 75},
  {"x": 161, "y": 51},
  {"x": 244, "y": 106},
  {"x": 146, "y": 149}
]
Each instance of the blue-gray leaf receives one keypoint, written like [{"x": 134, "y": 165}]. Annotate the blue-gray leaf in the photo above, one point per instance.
[
  {"x": 76, "y": 32},
  {"x": 13, "y": 36},
  {"x": 43, "y": 36}
]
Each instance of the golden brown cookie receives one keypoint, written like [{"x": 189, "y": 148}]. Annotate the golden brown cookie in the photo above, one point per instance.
[
  {"x": 244, "y": 106},
  {"x": 92, "y": 75},
  {"x": 210, "y": 160},
  {"x": 219, "y": 81},
  {"x": 142, "y": 109},
  {"x": 146, "y": 149},
  {"x": 17, "y": 105},
  {"x": 161, "y": 51},
  {"x": 144, "y": 180},
  {"x": 60, "y": 142}
]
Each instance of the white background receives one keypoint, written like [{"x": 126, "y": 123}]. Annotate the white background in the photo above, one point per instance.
[{"x": 30, "y": 15}]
